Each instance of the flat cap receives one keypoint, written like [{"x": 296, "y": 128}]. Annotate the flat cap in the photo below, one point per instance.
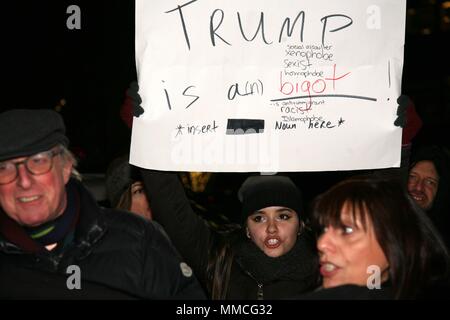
[{"x": 24, "y": 132}]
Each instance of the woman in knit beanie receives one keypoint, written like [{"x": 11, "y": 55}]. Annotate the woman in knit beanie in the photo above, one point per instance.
[
  {"x": 271, "y": 255},
  {"x": 271, "y": 209}
]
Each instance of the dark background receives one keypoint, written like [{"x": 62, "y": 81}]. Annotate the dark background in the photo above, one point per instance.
[{"x": 91, "y": 69}]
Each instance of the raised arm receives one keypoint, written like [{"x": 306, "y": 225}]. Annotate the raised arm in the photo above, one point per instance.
[{"x": 171, "y": 208}]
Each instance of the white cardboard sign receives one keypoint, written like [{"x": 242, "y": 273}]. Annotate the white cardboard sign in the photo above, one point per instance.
[{"x": 265, "y": 85}]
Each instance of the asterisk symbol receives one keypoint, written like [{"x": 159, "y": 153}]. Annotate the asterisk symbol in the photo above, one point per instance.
[
  {"x": 180, "y": 130},
  {"x": 341, "y": 121}
]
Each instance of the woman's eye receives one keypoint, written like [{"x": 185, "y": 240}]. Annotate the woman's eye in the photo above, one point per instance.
[
  {"x": 138, "y": 191},
  {"x": 347, "y": 230},
  {"x": 285, "y": 216},
  {"x": 258, "y": 218}
]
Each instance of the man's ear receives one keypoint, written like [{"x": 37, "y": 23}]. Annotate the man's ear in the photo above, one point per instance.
[{"x": 67, "y": 169}]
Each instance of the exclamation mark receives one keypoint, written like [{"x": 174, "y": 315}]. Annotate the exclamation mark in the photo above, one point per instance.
[{"x": 389, "y": 72}]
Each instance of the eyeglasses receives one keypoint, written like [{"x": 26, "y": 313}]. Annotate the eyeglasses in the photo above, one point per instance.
[{"x": 37, "y": 164}]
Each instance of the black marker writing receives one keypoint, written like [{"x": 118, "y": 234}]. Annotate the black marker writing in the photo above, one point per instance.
[
  {"x": 325, "y": 20},
  {"x": 260, "y": 28},
  {"x": 213, "y": 29},
  {"x": 190, "y": 95},
  {"x": 287, "y": 23},
  {"x": 186, "y": 36},
  {"x": 167, "y": 97}
]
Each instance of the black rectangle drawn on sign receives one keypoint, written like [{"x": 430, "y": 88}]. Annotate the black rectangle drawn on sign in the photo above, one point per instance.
[{"x": 245, "y": 126}]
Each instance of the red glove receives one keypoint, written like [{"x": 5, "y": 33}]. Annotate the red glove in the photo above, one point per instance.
[
  {"x": 413, "y": 124},
  {"x": 126, "y": 111},
  {"x": 131, "y": 107}
]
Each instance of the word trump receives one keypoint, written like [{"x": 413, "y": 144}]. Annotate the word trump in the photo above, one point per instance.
[{"x": 287, "y": 27}]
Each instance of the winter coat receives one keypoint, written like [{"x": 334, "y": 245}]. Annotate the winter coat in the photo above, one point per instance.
[{"x": 119, "y": 255}]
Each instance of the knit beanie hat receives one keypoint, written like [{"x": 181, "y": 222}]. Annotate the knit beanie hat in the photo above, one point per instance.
[
  {"x": 258, "y": 192},
  {"x": 119, "y": 176}
]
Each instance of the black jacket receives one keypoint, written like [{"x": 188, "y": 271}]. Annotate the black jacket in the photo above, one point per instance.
[
  {"x": 192, "y": 237},
  {"x": 120, "y": 255}
]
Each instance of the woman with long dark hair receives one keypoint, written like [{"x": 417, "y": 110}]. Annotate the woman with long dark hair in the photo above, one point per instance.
[{"x": 374, "y": 236}]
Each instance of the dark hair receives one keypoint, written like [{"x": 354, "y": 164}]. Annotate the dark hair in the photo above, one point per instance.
[
  {"x": 120, "y": 175},
  {"x": 440, "y": 157},
  {"x": 417, "y": 256},
  {"x": 220, "y": 259},
  {"x": 125, "y": 200}
]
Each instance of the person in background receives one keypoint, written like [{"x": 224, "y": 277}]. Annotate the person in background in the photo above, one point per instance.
[
  {"x": 376, "y": 243},
  {"x": 125, "y": 189},
  {"x": 428, "y": 185},
  {"x": 51, "y": 226}
]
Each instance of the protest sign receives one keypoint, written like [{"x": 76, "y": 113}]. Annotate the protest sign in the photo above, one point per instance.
[{"x": 261, "y": 85}]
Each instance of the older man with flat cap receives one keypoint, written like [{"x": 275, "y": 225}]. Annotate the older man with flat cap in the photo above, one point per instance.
[{"x": 56, "y": 242}]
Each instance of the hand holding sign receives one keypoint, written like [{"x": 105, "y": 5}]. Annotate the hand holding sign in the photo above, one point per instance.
[
  {"x": 403, "y": 102},
  {"x": 408, "y": 119},
  {"x": 133, "y": 93}
]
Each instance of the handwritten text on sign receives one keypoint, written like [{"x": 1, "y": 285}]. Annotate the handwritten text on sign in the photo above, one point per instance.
[{"x": 259, "y": 85}]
